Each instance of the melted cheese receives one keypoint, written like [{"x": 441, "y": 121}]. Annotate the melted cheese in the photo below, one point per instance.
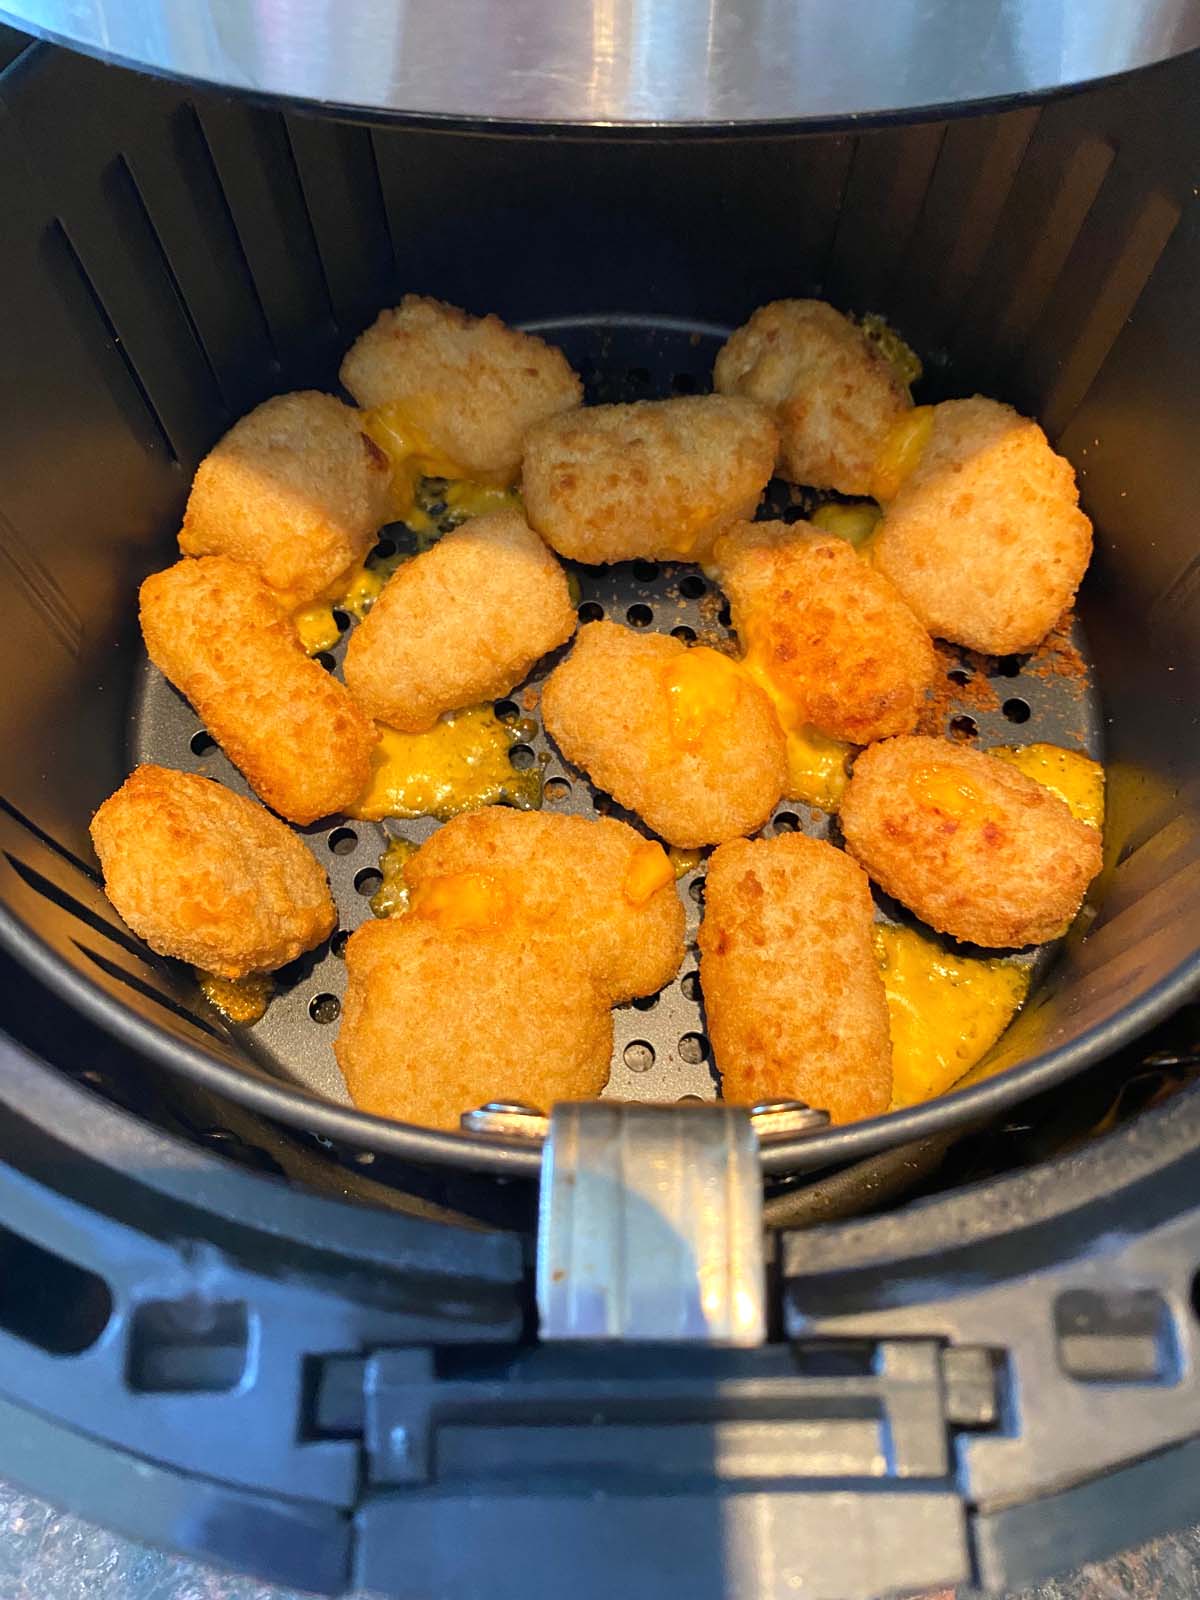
[
  {"x": 905, "y": 361},
  {"x": 901, "y": 452},
  {"x": 684, "y": 861},
  {"x": 854, "y": 523},
  {"x": 462, "y": 762},
  {"x": 702, "y": 689},
  {"x": 1075, "y": 778},
  {"x": 241, "y": 1000},
  {"x": 391, "y": 897},
  {"x": 945, "y": 1010},
  {"x": 316, "y": 627},
  {"x": 397, "y": 430},
  {"x": 954, "y": 795},
  {"x": 463, "y": 901},
  {"x": 817, "y": 765},
  {"x": 648, "y": 871}
]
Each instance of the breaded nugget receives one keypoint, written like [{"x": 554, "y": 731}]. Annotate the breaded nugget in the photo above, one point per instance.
[
  {"x": 985, "y": 538},
  {"x": 830, "y": 633},
  {"x": 463, "y": 622},
  {"x": 792, "y": 988},
  {"x": 582, "y": 880},
  {"x": 468, "y": 388},
  {"x": 658, "y": 479},
  {"x": 681, "y": 736},
  {"x": 523, "y": 932},
  {"x": 831, "y": 391},
  {"x": 207, "y": 876},
  {"x": 296, "y": 490},
  {"x": 217, "y": 632},
  {"x": 970, "y": 844}
]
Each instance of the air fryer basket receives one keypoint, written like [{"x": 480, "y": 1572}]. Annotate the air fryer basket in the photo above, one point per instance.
[{"x": 171, "y": 259}]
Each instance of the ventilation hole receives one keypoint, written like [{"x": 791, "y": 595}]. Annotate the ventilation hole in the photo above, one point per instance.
[
  {"x": 383, "y": 549},
  {"x": 556, "y": 789},
  {"x": 324, "y": 1008},
  {"x": 686, "y": 634},
  {"x": 639, "y": 1055},
  {"x": 639, "y": 616},
  {"x": 188, "y": 1346},
  {"x": 1008, "y": 667},
  {"x": 693, "y": 1048},
  {"x": 645, "y": 1002},
  {"x": 692, "y": 587},
  {"x": 339, "y": 942},
  {"x": 49, "y": 1301},
  {"x": 689, "y": 985},
  {"x": 964, "y": 727},
  {"x": 341, "y": 621},
  {"x": 202, "y": 743},
  {"x": 1017, "y": 710},
  {"x": 684, "y": 383},
  {"x": 590, "y": 611},
  {"x": 645, "y": 571},
  {"x": 696, "y": 890},
  {"x": 342, "y": 841},
  {"x": 522, "y": 757},
  {"x": 507, "y": 710},
  {"x": 601, "y": 803},
  {"x": 787, "y": 822},
  {"x": 368, "y": 880},
  {"x": 324, "y": 659},
  {"x": 960, "y": 676},
  {"x": 725, "y": 616}
]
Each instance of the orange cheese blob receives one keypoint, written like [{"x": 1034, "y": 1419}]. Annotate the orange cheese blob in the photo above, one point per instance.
[
  {"x": 462, "y": 901},
  {"x": 648, "y": 871},
  {"x": 901, "y": 452},
  {"x": 702, "y": 688}
]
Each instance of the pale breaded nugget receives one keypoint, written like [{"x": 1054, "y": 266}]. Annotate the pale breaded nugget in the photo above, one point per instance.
[
  {"x": 218, "y": 633},
  {"x": 985, "y": 539},
  {"x": 830, "y": 633},
  {"x": 524, "y": 930},
  {"x": 597, "y": 883},
  {"x": 657, "y": 479},
  {"x": 792, "y": 988},
  {"x": 832, "y": 393},
  {"x": 296, "y": 490},
  {"x": 207, "y": 876},
  {"x": 467, "y": 388},
  {"x": 681, "y": 736},
  {"x": 970, "y": 844},
  {"x": 463, "y": 622}
]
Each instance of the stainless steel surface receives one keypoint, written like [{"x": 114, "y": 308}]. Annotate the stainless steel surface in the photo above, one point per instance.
[
  {"x": 650, "y": 1225},
  {"x": 506, "y": 1119},
  {"x": 786, "y": 1119},
  {"x": 604, "y": 62}
]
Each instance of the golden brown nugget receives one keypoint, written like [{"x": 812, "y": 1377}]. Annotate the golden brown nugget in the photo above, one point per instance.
[
  {"x": 833, "y": 394},
  {"x": 466, "y": 389},
  {"x": 207, "y": 876},
  {"x": 831, "y": 634},
  {"x": 296, "y": 490},
  {"x": 523, "y": 931},
  {"x": 462, "y": 623},
  {"x": 657, "y": 479},
  {"x": 594, "y": 883},
  {"x": 681, "y": 736},
  {"x": 967, "y": 842},
  {"x": 216, "y": 630},
  {"x": 985, "y": 538},
  {"x": 792, "y": 988}
]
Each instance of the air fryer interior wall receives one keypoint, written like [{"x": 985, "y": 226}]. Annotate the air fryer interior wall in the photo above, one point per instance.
[{"x": 169, "y": 260}]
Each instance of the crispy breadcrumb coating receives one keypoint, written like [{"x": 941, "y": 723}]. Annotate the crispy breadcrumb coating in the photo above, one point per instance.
[
  {"x": 295, "y": 490},
  {"x": 208, "y": 876},
  {"x": 657, "y": 479},
  {"x": 792, "y": 989},
  {"x": 970, "y": 844},
  {"x": 216, "y": 630},
  {"x": 985, "y": 538},
  {"x": 462, "y": 623}
]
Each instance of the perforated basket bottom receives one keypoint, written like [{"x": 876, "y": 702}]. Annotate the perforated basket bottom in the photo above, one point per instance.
[{"x": 660, "y": 1049}]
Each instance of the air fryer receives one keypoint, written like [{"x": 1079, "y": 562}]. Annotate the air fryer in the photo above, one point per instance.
[{"x": 243, "y": 1319}]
